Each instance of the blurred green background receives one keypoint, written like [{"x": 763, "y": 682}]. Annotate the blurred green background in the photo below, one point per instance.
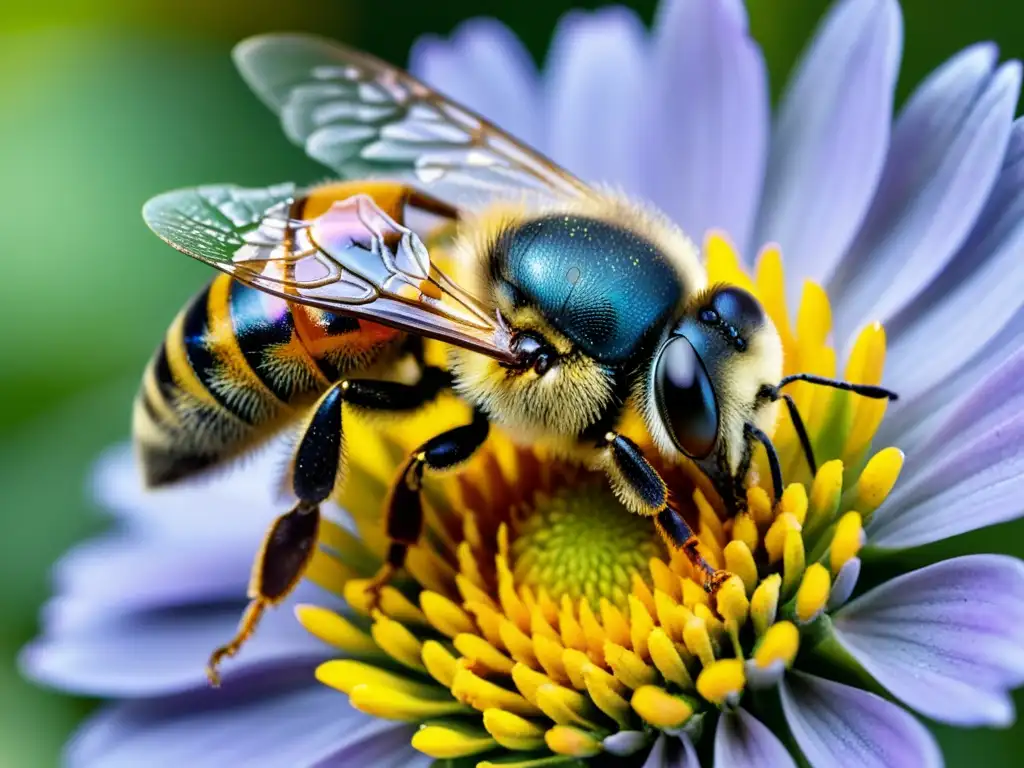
[{"x": 106, "y": 102}]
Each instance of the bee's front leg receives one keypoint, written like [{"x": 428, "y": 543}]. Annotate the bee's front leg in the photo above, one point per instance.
[
  {"x": 644, "y": 492},
  {"x": 405, "y": 508}
]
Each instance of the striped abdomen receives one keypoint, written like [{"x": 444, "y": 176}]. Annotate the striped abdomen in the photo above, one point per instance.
[{"x": 236, "y": 365}]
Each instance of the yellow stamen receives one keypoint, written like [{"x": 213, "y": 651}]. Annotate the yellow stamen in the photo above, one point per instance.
[
  {"x": 779, "y": 643},
  {"x": 439, "y": 663},
  {"x": 397, "y": 606},
  {"x": 481, "y": 655},
  {"x": 398, "y": 642},
  {"x": 549, "y": 653},
  {"x": 444, "y": 615},
  {"x": 664, "y": 579},
  {"x": 661, "y": 708},
  {"x": 813, "y": 593},
  {"x": 566, "y": 740},
  {"x": 846, "y": 541},
  {"x": 760, "y": 506},
  {"x": 775, "y": 539},
  {"x": 335, "y": 630},
  {"x": 447, "y": 741},
  {"x": 793, "y": 561},
  {"x": 567, "y": 707},
  {"x": 528, "y": 681},
  {"x": 666, "y": 657},
  {"x": 722, "y": 681},
  {"x": 482, "y": 695},
  {"x": 575, "y": 662},
  {"x": 513, "y": 732},
  {"x": 603, "y": 692},
  {"x": 698, "y": 640},
  {"x": 357, "y": 596},
  {"x": 518, "y": 643},
  {"x": 740, "y": 561},
  {"x": 745, "y": 529},
  {"x": 826, "y": 492},
  {"x": 390, "y": 704},
  {"x": 640, "y": 626},
  {"x": 765, "y": 603},
  {"x": 771, "y": 290},
  {"x": 345, "y": 674},
  {"x": 877, "y": 479},
  {"x": 794, "y": 502},
  {"x": 628, "y": 667},
  {"x": 867, "y": 359}
]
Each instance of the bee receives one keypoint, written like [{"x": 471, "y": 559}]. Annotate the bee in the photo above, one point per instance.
[{"x": 566, "y": 305}]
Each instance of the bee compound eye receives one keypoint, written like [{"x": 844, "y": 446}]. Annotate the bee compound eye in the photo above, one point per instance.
[{"x": 685, "y": 398}]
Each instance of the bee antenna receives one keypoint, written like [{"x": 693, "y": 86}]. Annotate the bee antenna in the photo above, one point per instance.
[
  {"x": 773, "y": 456},
  {"x": 867, "y": 390}
]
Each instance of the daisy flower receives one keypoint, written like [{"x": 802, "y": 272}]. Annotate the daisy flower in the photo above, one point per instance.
[{"x": 538, "y": 623}]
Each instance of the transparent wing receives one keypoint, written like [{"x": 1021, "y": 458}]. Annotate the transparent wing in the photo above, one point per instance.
[
  {"x": 354, "y": 259},
  {"x": 364, "y": 118}
]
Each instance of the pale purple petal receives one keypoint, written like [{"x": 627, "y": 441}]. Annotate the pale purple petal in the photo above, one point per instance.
[
  {"x": 161, "y": 575},
  {"x": 484, "y": 66},
  {"x": 919, "y": 418},
  {"x": 947, "y": 148},
  {"x": 992, "y": 402},
  {"x": 624, "y": 743},
  {"x": 669, "y": 752},
  {"x": 974, "y": 299},
  {"x": 161, "y": 651},
  {"x": 742, "y": 739},
  {"x": 278, "y": 721},
  {"x": 595, "y": 78},
  {"x": 947, "y": 640},
  {"x": 229, "y": 504},
  {"x": 975, "y": 482},
  {"x": 844, "y": 584},
  {"x": 835, "y": 724},
  {"x": 830, "y": 138},
  {"x": 704, "y": 132}
]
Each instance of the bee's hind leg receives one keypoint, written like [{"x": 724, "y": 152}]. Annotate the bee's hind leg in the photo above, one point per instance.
[
  {"x": 317, "y": 467},
  {"x": 405, "y": 508},
  {"x": 644, "y": 492}
]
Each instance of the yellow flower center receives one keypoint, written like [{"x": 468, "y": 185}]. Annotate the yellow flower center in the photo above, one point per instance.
[
  {"x": 538, "y": 616},
  {"x": 579, "y": 542}
]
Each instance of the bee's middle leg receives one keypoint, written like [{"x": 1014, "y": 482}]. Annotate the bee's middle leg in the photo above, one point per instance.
[
  {"x": 317, "y": 467},
  {"x": 645, "y": 493},
  {"x": 405, "y": 508}
]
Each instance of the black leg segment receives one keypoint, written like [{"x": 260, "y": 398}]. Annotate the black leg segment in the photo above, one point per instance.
[
  {"x": 404, "y": 522},
  {"x": 648, "y": 495},
  {"x": 291, "y": 539}
]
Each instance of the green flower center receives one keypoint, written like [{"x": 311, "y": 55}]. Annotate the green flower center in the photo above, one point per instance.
[{"x": 582, "y": 542}]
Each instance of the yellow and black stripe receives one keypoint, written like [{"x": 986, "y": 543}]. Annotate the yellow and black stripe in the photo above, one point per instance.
[
  {"x": 232, "y": 369},
  {"x": 237, "y": 363}
]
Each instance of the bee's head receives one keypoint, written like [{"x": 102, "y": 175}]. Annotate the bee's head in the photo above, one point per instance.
[{"x": 706, "y": 377}]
